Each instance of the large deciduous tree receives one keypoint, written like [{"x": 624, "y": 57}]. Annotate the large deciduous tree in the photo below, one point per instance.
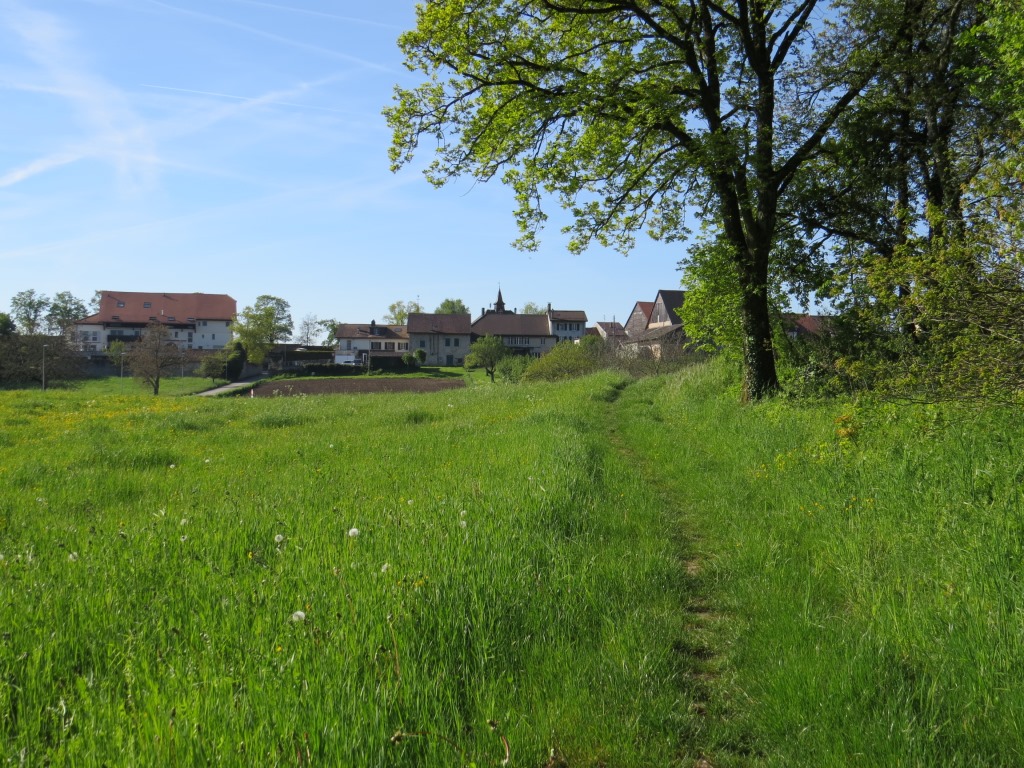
[
  {"x": 64, "y": 310},
  {"x": 28, "y": 310},
  {"x": 630, "y": 111},
  {"x": 282, "y": 328},
  {"x": 257, "y": 329}
]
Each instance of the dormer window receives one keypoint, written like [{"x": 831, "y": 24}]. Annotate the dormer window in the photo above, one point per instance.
[
  {"x": 152, "y": 318},
  {"x": 115, "y": 317},
  {"x": 170, "y": 319},
  {"x": 147, "y": 304},
  {"x": 120, "y": 305}
]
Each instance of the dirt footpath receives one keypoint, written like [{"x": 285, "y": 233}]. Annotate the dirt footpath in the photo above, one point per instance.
[{"x": 360, "y": 385}]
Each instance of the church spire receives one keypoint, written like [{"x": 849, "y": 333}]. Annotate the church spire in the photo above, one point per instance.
[{"x": 499, "y": 305}]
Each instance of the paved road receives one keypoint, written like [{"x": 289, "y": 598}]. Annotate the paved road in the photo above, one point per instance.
[{"x": 242, "y": 384}]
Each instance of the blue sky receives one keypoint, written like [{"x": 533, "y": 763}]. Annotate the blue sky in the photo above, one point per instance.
[{"x": 238, "y": 146}]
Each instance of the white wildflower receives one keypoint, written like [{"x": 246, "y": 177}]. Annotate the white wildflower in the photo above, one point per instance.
[
  {"x": 462, "y": 513},
  {"x": 184, "y": 521},
  {"x": 384, "y": 568},
  {"x": 299, "y": 616},
  {"x": 462, "y": 523},
  {"x": 72, "y": 556}
]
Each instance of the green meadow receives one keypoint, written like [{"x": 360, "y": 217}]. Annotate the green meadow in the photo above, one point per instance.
[{"x": 600, "y": 572}]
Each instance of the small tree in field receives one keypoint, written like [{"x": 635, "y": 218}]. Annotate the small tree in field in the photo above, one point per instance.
[
  {"x": 155, "y": 355},
  {"x": 214, "y": 366},
  {"x": 485, "y": 353},
  {"x": 420, "y": 355}
]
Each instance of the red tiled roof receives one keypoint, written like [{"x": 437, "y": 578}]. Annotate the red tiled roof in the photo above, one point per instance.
[
  {"x": 422, "y": 322},
  {"x": 162, "y": 306}
]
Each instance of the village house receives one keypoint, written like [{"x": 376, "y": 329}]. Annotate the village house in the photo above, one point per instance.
[
  {"x": 355, "y": 343},
  {"x": 655, "y": 328},
  {"x": 445, "y": 339},
  {"x": 532, "y": 335},
  {"x": 193, "y": 320}
]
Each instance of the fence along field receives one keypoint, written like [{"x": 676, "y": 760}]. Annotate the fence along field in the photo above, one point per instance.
[{"x": 453, "y": 579}]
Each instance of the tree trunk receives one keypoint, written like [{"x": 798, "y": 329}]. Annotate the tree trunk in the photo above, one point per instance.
[{"x": 760, "y": 379}]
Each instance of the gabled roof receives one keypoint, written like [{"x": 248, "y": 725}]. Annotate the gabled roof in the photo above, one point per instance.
[
  {"x": 671, "y": 301},
  {"x": 511, "y": 324},
  {"x": 370, "y": 331},
  {"x": 130, "y": 307},
  {"x": 646, "y": 307},
  {"x": 451, "y": 325},
  {"x": 805, "y": 325},
  {"x": 610, "y": 330},
  {"x": 568, "y": 315}
]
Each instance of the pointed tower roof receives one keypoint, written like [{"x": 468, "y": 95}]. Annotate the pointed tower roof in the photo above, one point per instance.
[{"x": 499, "y": 305}]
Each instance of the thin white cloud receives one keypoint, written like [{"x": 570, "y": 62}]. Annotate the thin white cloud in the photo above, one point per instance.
[
  {"x": 113, "y": 131},
  {"x": 318, "y": 14},
  {"x": 328, "y": 52},
  {"x": 41, "y": 165},
  {"x": 251, "y": 100}
]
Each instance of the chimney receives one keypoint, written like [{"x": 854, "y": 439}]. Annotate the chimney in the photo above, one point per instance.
[{"x": 549, "y": 306}]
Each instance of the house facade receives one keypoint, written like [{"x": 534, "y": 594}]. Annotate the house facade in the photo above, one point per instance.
[
  {"x": 354, "y": 343},
  {"x": 193, "y": 320},
  {"x": 445, "y": 339},
  {"x": 532, "y": 335},
  {"x": 655, "y": 328}
]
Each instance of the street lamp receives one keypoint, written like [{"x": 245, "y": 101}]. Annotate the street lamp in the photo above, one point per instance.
[{"x": 44, "y": 366}]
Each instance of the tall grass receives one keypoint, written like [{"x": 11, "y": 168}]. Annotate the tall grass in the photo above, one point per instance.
[
  {"x": 343, "y": 580},
  {"x": 862, "y": 568}
]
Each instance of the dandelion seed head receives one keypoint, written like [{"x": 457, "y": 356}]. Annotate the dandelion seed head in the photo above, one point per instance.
[
  {"x": 184, "y": 521},
  {"x": 409, "y": 502},
  {"x": 72, "y": 556},
  {"x": 171, "y": 466},
  {"x": 384, "y": 568},
  {"x": 353, "y": 533},
  {"x": 279, "y": 539},
  {"x": 462, "y": 523},
  {"x": 184, "y": 538},
  {"x": 299, "y": 616},
  {"x": 462, "y": 513}
]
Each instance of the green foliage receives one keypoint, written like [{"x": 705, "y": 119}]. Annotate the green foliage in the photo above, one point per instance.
[
  {"x": 28, "y": 310},
  {"x": 22, "y": 360},
  {"x": 510, "y": 368},
  {"x": 399, "y": 311},
  {"x": 409, "y": 359},
  {"x": 485, "y": 353},
  {"x": 420, "y": 355},
  {"x": 532, "y": 308},
  {"x": 256, "y": 329},
  {"x": 452, "y": 307},
  {"x": 63, "y": 311},
  {"x": 566, "y": 360},
  {"x": 7, "y": 326},
  {"x": 235, "y": 361},
  {"x": 214, "y": 366},
  {"x": 281, "y": 311}
]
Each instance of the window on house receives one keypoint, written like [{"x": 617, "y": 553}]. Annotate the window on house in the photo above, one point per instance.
[
  {"x": 403, "y": 345},
  {"x": 423, "y": 343},
  {"x": 115, "y": 317},
  {"x": 389, "y": 345},
  {"x": 120, "y": 305},
  {"x": 147, "y": 304},
  {"x": 456, "y": 342},
  {"x": 447, "y": 341},
  {"x": 170, "y": 319},
  {"x": 374, "y": 345},
  {"x": 212, "y": 335}
]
